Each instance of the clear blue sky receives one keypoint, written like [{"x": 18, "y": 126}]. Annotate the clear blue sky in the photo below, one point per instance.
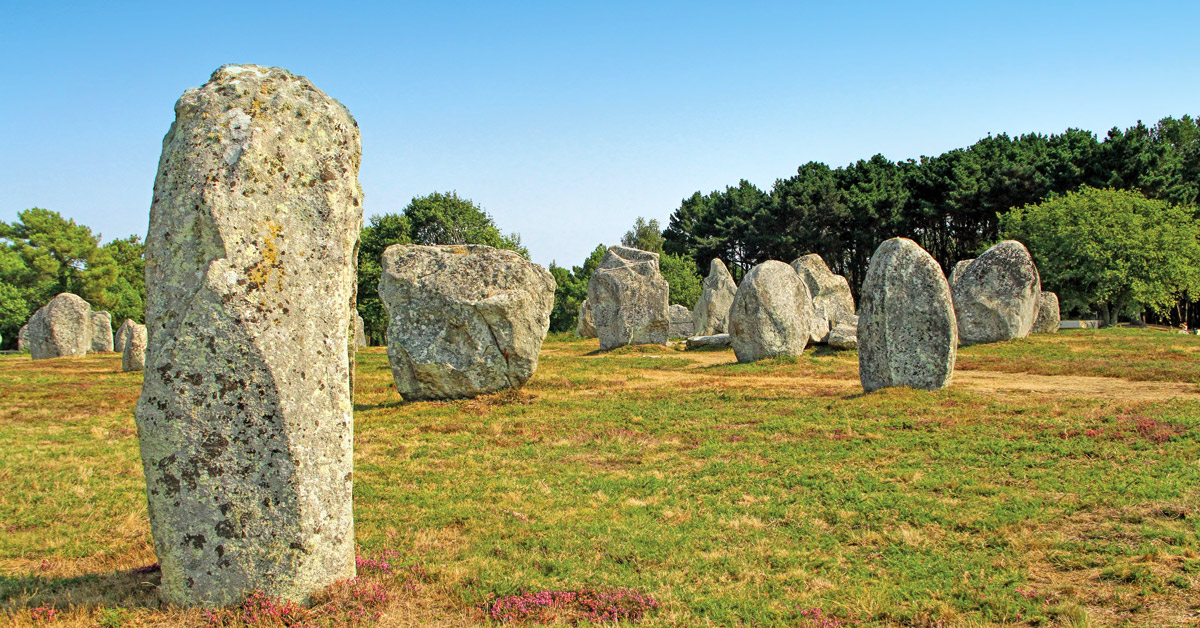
[{"x": 567, "y": 120}]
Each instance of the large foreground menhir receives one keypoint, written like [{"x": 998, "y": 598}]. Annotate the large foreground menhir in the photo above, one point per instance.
[{"x": 245, "y": 420}]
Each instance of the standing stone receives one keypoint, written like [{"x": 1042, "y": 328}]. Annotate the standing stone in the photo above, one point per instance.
[
  {"x": 628, "y": 299},
  {"x": 245, "y": 419},
  {"x": 907, "y": 334},
  {"x": 360, "y": 333},
  {"x": 831, "y": 295},
  {"x": 585, "y": 327},
  {"x": 711, "y": 315},
  {"x": 1048, "y": 316},
  {"x": 133, "y": 356},
  {"x": 23, "y": 338},
  {"x": 102, "y": 333},
  {"x": 463, "y": 320},
  {"x": 995, "y": 298},
  {"x": 958, "y": 270},
  {"x": 681, "y": 321},
  {"x": 123, "y": 332},
  {"x": 772, "y": 313},
  {"x": 61, "y": 329}
]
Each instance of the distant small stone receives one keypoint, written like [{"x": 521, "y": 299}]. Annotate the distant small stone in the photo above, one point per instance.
[
  {"x": 711, "y": 315},
  {"x": 23, "y": 338},
  {"x": 122, "y": 335},
  {"x": 958, "y": 270},
  {"x": 463, "y": 320},
  {"x": 133, "y": 356},
  {"x": 585, "y": 327},
  {"x": 1049, "y": 316},
  {"x": 715, "y": 341},
  {"x": 102, "y": 332},
  {"x": 907, "y": 334},
  {"x": 995, "y": 298},
  {"x": 60, "y": 329},
  {"x": 772, "y": 313},
  {"x": 681, "y": 321},
  {"x": 360, "y": 334},
  {"x": 831, "y": 295},
  {"x": 843, "y": 336},
  {"x": 627, "y": 296}
]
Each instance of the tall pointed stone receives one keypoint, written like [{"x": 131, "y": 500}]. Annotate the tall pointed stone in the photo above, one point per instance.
[
  {"x": 133, "y": 355},
  {"x": 628, "y": 299},
  {"x": 245, "y": 419},
  {"x": 831, "y": 295},
  {"x": 711, "y": 315},
  {"x": 907, "y": 333},
  {"x": 102, "y": 331}
]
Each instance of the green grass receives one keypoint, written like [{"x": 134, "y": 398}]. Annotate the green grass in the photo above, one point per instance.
[{"x": 734, "y": 494}]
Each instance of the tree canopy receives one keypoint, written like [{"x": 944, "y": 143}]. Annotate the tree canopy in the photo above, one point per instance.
[{"x": 1115, "y": 252}]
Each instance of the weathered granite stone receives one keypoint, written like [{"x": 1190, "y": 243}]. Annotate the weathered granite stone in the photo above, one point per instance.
[
  {"x": 122, "y": 335},
  {"x": 463, "y": 320},
  {"x": 907, "y": 335},
  {"x": 995, "y": 298},
  {"x": 102, "y": 332},
  {"x": 360, "y": 333},
  {"x": 60, "y": 329},
  {"x": 681, "y": 321},
  {"x": 585, "y": 327},
  {"x": 1048, "y": 316},
  {"x": 843, "y": 336},
  {"x": 711, "y": 315},
  {"x": 958, "y": 270},
  {"x": 831, "y": 295},
  {"x": 133, "y": 356},
  {"x": 772, "y": 313},
  {"x": 23, "y": 338},
  {"x": 716, "y": 341},
  {"x": 245, "y": 419},
  {"x": 628, "y": 299}
]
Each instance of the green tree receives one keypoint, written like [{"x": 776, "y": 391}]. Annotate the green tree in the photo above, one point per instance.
[
  {"x": 683, "y": 280},
  {"x": 446, "y": 218},
  {"x": 646, "y": 236},
  {"x": 379, "y": 233},
  {"x": 1112, "y": 251},
  {"x": 126, "y": 297},
  {"x": 572, "y": 290},
  {"x": 56, "y": 255}
]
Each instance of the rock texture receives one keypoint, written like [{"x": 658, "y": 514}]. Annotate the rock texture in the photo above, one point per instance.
[
  {"x": 716, "y": 341},
  {"x": 102, "y": 331},
  {"x": 958, "y": 270},
  {"x": 681, "y": 321},
  {"x": 843, "y": 336},
  {"x": 133, "y": 355},
  {"x": 1048, "y": 316},
  {"x": 907, "y": 334},
  {"x": 60, "y": 329},
  {"x": 831, "y": 295},
  {"x": 711, "y": 315},
  {"x": 360, "y": 334},
  {"x": 245, "y": 419},
  {"x": 463, "y": 320},
  {"x": 585, "y": 326},
  {"x": 995, "y": 298},
  {"x": 772, "y": 313},
  {"x": 122, "y": 335},
  {"x": 23, "y": 338},
  {"x": 628, "y": 299}
]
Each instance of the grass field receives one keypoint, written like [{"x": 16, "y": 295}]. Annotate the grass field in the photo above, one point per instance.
[{"x": 1057, "y": 482}]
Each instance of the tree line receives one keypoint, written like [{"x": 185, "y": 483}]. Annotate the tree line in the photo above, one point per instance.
[{"x": 951, "y": 204}]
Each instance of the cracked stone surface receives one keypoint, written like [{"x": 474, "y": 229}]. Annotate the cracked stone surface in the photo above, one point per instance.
[
  {"x": 102, "y": 332},
  {"x": 1048, "y": 314},
  {"x": 996, "y": 297},
  {"x": 711, "y": 316},
  {"x": 245, "y": 421},
  {"x": 907, "y": 333},
  {"x": 627, "y": 296},
  {"x": 463, "y": 320},
  {"x": 772, "y": 313},
  {"x": 60, "y": 329},
  {"x": 831, "y": 295}
]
